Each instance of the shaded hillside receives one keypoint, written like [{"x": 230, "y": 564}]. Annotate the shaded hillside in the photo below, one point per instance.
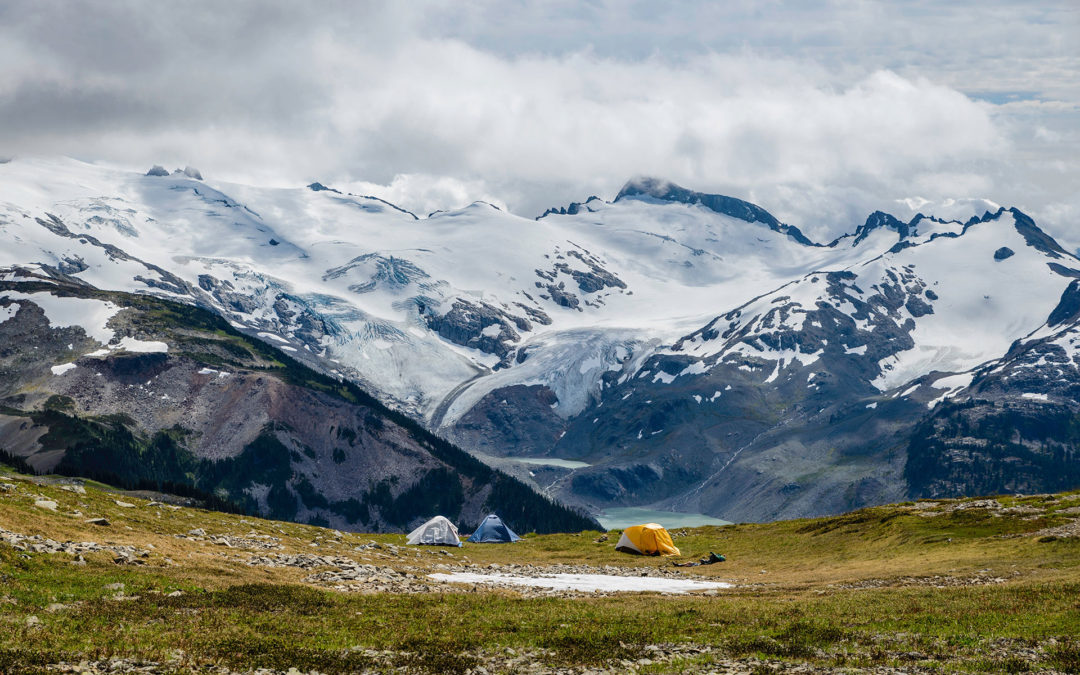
[{"x": 171, "y": 397}]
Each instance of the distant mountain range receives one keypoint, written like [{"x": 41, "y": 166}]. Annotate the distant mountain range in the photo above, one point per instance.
[{"x": 667, "y": 348}]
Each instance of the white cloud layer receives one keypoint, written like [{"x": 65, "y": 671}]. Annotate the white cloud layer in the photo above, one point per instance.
[{"x": 821, "y": 115}]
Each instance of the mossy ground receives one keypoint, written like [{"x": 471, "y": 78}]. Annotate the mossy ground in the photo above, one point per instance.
[{"x": 850, "y": 591}]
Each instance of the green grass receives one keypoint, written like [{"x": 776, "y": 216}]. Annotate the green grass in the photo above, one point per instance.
[{"x": 834, "y": 593}]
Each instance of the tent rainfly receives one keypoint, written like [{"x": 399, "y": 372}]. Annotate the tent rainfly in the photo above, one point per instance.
[
  {"x": 647, "y": 539},
  {"x": 493, "y": 531},
  {"x": 436, "y": 532}
]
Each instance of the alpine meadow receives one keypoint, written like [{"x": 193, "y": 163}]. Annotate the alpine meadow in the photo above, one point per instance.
[{"x": 541, "y": 337}]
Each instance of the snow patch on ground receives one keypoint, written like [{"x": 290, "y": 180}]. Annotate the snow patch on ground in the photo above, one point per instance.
[
  {"x": 954, "y": 384},
  {"x": 61, "y": 369},
  {"x": 147, "y": 346},
  {"x": 8, "y": 312},
  {"x": 695, "y": 368},
  {"x": 62, "y": 312},
  {"x": 588, "y": 583},
  {"x": 1034, "y": 397},
  {"x": 953, "y": 381}
]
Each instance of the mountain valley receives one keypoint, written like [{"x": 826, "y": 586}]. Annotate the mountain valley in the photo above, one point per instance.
[{"x": 669, "y": 348}]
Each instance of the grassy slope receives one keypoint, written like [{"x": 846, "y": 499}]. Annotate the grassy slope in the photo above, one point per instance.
[{"x": 849, "y": 591}]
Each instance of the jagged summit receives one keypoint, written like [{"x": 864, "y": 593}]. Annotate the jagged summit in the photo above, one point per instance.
[
  {"x": 879, "y": 219},
  {"x": 573, "y": 209},
  {"x": 730, "y": 206}
]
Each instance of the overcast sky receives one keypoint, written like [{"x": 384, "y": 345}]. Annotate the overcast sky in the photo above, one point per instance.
[{"x": 820, "y": 112}]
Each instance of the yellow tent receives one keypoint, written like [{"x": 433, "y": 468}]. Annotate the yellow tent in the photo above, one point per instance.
[{"x": 647, "y": 539}]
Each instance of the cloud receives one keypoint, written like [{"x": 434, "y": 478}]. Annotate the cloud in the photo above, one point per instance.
[{"x": 435, "y": 104}]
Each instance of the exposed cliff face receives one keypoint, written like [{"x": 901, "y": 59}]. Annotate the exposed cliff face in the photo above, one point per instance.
[{"x": 142, "y": 392}]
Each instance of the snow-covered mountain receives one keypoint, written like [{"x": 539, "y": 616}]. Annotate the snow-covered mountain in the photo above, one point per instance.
[{"x": 692, "y": 349}]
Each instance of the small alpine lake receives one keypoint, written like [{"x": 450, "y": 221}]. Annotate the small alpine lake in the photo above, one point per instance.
[{"x": 625, "y": 516}]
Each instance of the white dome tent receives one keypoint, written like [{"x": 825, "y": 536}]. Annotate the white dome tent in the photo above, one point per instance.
[{"x": 436, "y": 532}]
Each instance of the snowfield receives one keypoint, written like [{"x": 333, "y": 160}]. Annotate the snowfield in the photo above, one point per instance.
[{"x": 434, "y": 313}]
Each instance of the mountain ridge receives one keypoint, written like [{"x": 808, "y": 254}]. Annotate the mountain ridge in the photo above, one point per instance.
[{"x": 655, "y": 338}]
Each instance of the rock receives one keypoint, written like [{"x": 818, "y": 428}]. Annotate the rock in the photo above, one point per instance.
[
  {"x": 32, "y": 621},
  {"x": 197, "y": 532},
  {"x": 125, "y": 505},
  {"x": 55, "y": 607},
  {"x": 1003, "y": 253},
  {"x": 157, "y": 170},
  {"x": 47, "y": 504},
  {"x": 101, "y": 522},
  {"x": 174, "y": 594}
]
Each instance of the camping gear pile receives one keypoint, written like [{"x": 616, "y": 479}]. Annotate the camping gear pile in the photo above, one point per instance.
[{"x": 710, "y": 559}]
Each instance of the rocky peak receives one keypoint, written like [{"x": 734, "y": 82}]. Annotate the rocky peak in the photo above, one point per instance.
[
  {"x": 573, "y": 209},
  {"x": 1035, "y": 237},
  {"x": 728, "y": 206},
  {"x": 879, "y": 219}
]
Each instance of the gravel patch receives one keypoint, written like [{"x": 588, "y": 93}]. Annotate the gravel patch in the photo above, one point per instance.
[{"x": 36, "y": 543}]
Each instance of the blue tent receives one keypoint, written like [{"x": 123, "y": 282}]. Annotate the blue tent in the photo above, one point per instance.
[{"x": 493, "y": 531}]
